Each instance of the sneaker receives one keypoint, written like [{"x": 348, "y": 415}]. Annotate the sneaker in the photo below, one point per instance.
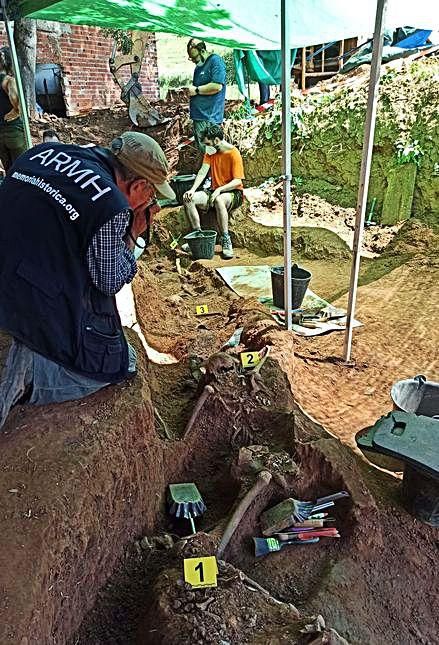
[{"x": 227, "y": 247}]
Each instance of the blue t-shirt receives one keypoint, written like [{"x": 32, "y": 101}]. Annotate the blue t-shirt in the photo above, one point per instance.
[{"x": 209, "y": 108}]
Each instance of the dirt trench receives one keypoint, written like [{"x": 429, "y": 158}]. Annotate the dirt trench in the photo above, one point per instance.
[{"x": 74, "y": 565}]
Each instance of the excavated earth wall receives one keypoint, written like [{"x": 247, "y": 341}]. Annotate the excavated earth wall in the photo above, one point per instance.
[{"x": 328, "y": 131}]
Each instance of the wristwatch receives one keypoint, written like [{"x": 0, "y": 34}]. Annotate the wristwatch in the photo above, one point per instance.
[{"x": 197, "y": 90}]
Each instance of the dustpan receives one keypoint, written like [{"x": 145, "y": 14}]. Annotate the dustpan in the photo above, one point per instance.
[{"x": 185, "y": 502}]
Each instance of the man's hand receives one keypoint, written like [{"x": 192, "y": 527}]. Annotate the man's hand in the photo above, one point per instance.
[
  {"x": 138, "y": 227},
  {"x": 214, "y": 195},
  {"x": 187, "y": 197},
  {"x": 192, "y": 90}
]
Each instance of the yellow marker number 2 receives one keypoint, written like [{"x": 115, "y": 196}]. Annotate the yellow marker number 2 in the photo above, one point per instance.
[
  {"x": 200, "y": 572},
  {"x": 201, "y": 309},
  {"x": 250, "y": 359}
]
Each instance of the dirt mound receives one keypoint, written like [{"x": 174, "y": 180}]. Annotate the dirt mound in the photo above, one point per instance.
[
  {"x": 69, "y": 502},
  {"x": 234, "y": 612},
  {"x": 415, "y": 238},
  {"x": 266, "y": 207},
  {"x": 101, "y": 126},
  {"x": 309, "y": 242}
]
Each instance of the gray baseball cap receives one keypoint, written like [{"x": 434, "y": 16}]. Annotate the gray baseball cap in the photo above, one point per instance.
[{"x": 143, "y": 156}]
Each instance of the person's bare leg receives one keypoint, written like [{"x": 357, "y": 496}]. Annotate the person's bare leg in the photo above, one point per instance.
[
  {"x": 222, "y": 203},
  {"x": 200, "y": 200}
]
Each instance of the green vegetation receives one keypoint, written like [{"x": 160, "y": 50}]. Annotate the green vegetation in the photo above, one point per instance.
[
  {"x": 328, "y": 131},
  {"x": 122, "y": 39}
]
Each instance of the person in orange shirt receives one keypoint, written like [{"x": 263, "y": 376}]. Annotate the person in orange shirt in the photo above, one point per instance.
[{"x": 224, "y": 162}]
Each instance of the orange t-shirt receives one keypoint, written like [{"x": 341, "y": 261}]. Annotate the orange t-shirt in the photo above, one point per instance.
[{"x": 225, "y": 166}]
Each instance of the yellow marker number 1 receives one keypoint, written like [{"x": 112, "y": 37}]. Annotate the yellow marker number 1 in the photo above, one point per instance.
[
  {"x": 250, "y": 359},
  {"x": 201, "y": 309},
  {"x": 200, "y": 572}
]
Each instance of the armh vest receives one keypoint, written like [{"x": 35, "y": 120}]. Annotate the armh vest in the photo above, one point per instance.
[{"x": 53, "y": 201}]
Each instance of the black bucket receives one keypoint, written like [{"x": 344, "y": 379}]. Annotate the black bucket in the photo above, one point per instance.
[
  {"x": 299, "y": 279},
  {"x": 201, "y": 244},
  {"x": 180, "y": 185},
  {"x": 421, "y": 495}
]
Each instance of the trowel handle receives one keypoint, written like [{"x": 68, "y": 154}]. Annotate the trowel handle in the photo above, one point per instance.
[
  {"x": 321, "y": 507},
  {"x": 331, "y": 498}
]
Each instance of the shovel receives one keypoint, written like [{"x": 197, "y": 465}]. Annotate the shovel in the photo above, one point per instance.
[{"x": 185, "y": 501}]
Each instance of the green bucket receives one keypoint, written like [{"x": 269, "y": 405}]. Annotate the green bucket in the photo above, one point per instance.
[{"x": 201, "y": 244}]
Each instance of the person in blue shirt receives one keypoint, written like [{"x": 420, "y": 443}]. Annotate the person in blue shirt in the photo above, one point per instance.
[{"x": 208, "y": 91}]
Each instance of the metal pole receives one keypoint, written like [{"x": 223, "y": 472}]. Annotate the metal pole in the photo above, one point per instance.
[
  {"x": 286, "y": 155},
  {"x": 17, "y": 76},
  {"x": 369, "y": 131}
]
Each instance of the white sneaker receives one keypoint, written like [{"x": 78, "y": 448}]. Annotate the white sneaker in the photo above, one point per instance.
[{"x": 227, "y": 247}]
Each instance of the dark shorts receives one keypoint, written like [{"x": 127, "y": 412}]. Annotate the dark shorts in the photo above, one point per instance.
[
  {"x": 12, "y": 143},
  {"x": 237, "y": 197}
]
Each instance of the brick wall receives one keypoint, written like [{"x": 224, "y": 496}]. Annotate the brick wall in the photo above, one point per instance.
[{"x": 83, "y": 53}]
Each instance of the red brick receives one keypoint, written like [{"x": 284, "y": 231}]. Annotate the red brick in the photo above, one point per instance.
[{"x": 83, "y": 55}]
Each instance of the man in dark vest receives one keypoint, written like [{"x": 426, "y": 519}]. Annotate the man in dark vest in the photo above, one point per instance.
[{"x": 69, "y": 220}]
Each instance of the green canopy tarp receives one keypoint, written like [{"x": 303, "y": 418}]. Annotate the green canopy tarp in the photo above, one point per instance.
[
  {"x": 241, "y": 24},
  {"x": 259, "y": 66}
]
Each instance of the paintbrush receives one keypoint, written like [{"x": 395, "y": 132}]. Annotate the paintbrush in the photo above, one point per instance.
[
  {"x": 292, "y": 510},
  {"x": 307, "y": 534},
  {"x": 263, "y": 546},
  {"x": 315, "y": 523}
]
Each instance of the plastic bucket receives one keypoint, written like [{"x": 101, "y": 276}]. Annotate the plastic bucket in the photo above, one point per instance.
[
  {"x": 201, "y": 244},
  {"x": 180, "y": 185},
  {"x": 300, "y": 279},
  {"x": 417, "y": 396}
]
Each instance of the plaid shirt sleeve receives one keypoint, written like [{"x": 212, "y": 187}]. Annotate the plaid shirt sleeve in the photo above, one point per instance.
[{"x": 110, "y": 262}]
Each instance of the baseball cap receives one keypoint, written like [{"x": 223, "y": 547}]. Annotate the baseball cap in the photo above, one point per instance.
[{"x": 143, "y": 156}]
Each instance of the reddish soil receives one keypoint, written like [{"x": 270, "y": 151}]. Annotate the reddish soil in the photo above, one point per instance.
[
  {"x": 399, "y": 340},
  {"x": 82, "y": 482},
  {"x": 377, "y": 534}
]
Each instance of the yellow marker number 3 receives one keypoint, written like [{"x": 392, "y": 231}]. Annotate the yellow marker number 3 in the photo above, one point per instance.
[
  {"x": 201, "y": 572},
  {"x": 201, "y": 309}
]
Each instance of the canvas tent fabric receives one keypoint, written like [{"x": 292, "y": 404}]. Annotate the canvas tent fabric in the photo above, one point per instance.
[
  {"x": 259, "y": 66},
  {"x": 397, "y": 44},
  {"x": 247, "y": 24}
]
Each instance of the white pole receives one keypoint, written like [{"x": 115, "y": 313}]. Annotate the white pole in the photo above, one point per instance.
[
  {"x": 286, "y": 155},
  {"x": 17, "y": 76},
  {"x": 369, "y": 131}
]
